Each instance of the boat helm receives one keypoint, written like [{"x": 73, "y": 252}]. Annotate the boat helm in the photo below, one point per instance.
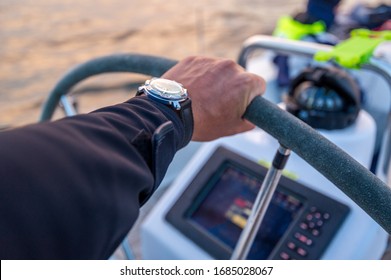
[{"x": 324, "y": 98}]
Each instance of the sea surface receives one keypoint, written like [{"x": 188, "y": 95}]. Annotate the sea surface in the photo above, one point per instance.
[{"x": 40, "y": 40}]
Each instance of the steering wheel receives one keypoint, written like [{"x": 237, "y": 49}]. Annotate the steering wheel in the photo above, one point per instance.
[{"x": 363, "y": 187}]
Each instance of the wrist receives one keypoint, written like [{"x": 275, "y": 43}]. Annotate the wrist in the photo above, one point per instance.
[{"x": 173, "y": 97}]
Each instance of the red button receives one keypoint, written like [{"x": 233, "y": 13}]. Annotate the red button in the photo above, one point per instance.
[
  {"x": 284, "y": 256},
  {"x": 304, "y": 226},
  {"x": 291, "y": 245},
  {"x": 309, "y": 217},
  {"x": 302, "y": 252},
  {"x": 315, "y": 232}
]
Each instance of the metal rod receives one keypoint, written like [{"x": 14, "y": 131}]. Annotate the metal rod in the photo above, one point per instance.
[
  {"x": 67, "y": 106},
  {"x": 261, "y": 205},
  {"x": 127, "y": 250}
]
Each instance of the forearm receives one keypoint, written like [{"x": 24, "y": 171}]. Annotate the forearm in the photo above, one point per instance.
[{"x": 76, "y": 185}]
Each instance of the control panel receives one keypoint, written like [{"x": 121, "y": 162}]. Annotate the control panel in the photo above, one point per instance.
[{"x": 212, "y": 211}]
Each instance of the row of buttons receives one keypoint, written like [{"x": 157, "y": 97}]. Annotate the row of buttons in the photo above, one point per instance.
[
  {"x": 303, "y": 239},
  {"x": 312, "y": 223},
  {"x": 293, "y": 248},
  {"x": 300, "y": 251}
]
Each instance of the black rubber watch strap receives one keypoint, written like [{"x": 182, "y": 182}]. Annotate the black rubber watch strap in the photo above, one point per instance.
[{"x": 186, "y": 114}]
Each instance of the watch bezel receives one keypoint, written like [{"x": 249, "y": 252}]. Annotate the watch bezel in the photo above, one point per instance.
[
  {"x": 166, "y": 95},
  {"x": 161, "y": 96}
]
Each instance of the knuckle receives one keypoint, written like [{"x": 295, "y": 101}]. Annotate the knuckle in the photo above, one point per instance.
[
  {"x": 189, "y": 59},
  {"x": 256, "y": 82},
  {"x": 227, "y": 64},
  {"x": 247, "y": 78}
]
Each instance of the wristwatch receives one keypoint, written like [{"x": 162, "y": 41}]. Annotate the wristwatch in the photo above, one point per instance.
[{"x": 175, "y": 96}]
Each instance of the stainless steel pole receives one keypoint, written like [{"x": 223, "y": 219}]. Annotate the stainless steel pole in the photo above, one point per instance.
[{"x": 261, "y": 205}]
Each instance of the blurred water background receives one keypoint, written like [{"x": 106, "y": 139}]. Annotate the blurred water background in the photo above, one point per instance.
[{"x": 42, "y": 39}]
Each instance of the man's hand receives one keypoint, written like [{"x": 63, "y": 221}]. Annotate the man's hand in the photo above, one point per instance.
[{"x": 220, "y": 91}]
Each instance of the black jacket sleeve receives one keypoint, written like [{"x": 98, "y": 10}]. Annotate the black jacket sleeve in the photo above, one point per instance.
[{"x": 72, "y": 189}]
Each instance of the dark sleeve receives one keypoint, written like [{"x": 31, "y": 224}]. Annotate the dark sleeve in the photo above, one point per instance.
[{"x": 72, "y": 189}]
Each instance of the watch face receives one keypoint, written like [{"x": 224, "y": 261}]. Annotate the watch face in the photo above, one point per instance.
[{"x": 168, "y": 89}]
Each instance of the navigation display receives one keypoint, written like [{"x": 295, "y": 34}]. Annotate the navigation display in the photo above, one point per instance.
[{"x": 223, "y": 206}]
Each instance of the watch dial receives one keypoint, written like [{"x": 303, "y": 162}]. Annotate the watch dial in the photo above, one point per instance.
[{"x": 168, "y": 88}]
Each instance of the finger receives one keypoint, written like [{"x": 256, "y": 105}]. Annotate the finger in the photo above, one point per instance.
[{"x": 258, "y": 86}]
